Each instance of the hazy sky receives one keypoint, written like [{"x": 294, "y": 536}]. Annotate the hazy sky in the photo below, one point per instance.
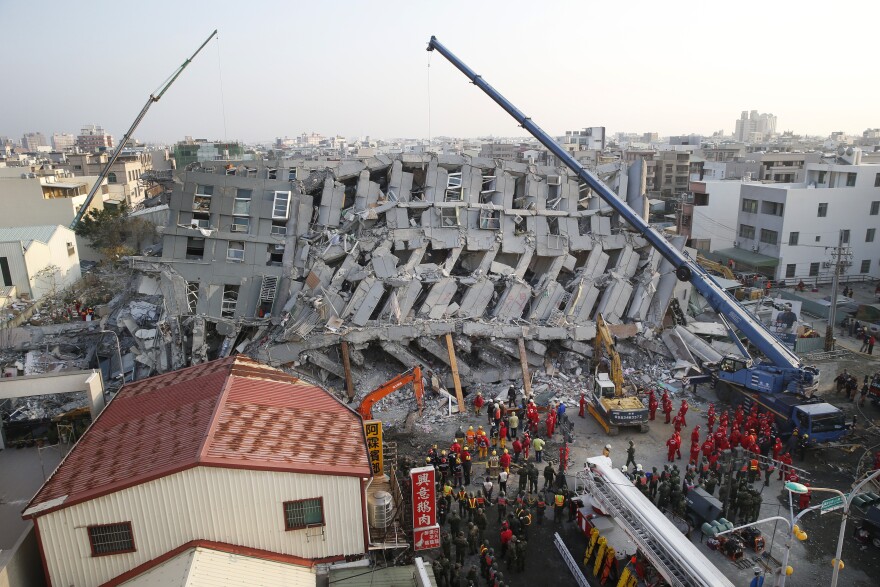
[{"x": 360, "y": 68}]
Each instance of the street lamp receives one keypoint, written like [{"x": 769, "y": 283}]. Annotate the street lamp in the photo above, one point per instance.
[
  {"x": 119, "y": 353},
  {"x": 793, "y": 530}
]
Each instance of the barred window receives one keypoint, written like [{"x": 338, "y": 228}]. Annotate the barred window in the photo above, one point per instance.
[
  {"x": 303, "y": 513},
  {"x": 111, "y": 539}
]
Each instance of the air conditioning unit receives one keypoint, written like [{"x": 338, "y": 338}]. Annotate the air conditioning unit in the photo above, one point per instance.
[
  {"x": 554, "y": 180},
  {"x": 735, "y": 244},
  {"x": 279, "y": 247},
  {"x": 239, "y": 228},
  {"x": 826, "y": 265}
]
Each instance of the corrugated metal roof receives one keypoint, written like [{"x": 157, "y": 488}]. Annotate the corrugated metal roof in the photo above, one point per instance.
[
  {"x": 28, "y": 233},
  {"x": 386, "y": 576},
  {"x": 205, "y": 567},
  {"x": 233, "y": 412}
]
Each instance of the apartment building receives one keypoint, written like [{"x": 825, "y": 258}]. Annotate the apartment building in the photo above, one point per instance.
[
  {"x": 201, "y": 151},
  {"x": 784, "y": 167},
  {"x": 672, "y": 171},
  {"x": 753, "y": 127},
  {"x": 93, "y": 138},
  {"x": 227, "y": 236},
  {"x": 588, "y": 139},
  {"x": 504, "y": 151},
  {"x": 123, "y": 180},
  {"x": 62, "y": 141},
  {"x": 789, "y": 228},
  {"x": 32, "y": 141}
]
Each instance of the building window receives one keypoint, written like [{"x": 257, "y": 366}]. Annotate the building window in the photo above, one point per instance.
[
  {"x": 242, "y": 203},
  {"x": 877, "y": 181},
  {"x": 240, "y": 223},
  {"x": 850, "y": 180},
  {"x": 814, "y": 269},
  {"x": 281, "y": 205},
  {"x": 111, "y": 539},
  {"x": 790, "y": 269},
  {"x": 772, "y": 208},
  {"x": 793, "y": 238},
  {"x": 291, "y": 174},
  {"x": 818, "y": 238},
  {"x": 195, "y": 248},
  {"x": 875, "y": 208},
  {"x": 303, "y": 513},
  {"x": 111, "y": 177},
  {"x": 202, "y": 199},
  {"x": 235, "y": 251},
  {"x": 771, "y": 237},
  {"x": 869, "y": 236},
  {"x": 750, "y": 206},
  {"x": 866, "y": 266},
  {"x": 746, "y": 231},
  {"x": 822, "y": 175},
  {"x": 823, "y": 210},
  {"x": 230, "y": 301},
  {"x": 844, "y": 236}
]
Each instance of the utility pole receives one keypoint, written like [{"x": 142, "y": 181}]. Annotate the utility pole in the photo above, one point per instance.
[{"x": 838, "y": 262}]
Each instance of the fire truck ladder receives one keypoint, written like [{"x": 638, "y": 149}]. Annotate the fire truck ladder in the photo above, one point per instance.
[{"x": 665, "y": 562}]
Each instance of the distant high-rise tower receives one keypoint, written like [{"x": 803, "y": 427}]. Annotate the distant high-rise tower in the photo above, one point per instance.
[
  {"x": 752, "y": 126},
  {"x": 30, "y": 141}
]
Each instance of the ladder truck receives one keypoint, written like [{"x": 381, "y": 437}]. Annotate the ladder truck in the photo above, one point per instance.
[
  {"x": 779, "y": 372},
  {"x": 675, "y": 557}
]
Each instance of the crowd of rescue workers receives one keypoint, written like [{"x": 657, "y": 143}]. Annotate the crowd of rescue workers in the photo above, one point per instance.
[{"x": 513, "y": 441}]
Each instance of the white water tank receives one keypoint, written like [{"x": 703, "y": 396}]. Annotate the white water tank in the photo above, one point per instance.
[{"x": 379, "y": 507}]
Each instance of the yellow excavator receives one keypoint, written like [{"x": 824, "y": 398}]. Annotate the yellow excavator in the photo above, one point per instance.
[
  {"x": 609, "y": 403},
  {"x": 718, "y": 268}
]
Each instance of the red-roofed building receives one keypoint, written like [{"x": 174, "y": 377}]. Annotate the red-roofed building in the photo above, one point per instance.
[{"x": 231, "y": 456}]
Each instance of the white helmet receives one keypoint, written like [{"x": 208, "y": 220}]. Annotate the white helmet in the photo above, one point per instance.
[
  {"x": 608, "y": 446},
  {"x": 623, "y": 469},
  {"x": 638, "y": 467}
]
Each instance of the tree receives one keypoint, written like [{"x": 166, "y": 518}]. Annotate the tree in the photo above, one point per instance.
[{"x": 113, "y": 232}]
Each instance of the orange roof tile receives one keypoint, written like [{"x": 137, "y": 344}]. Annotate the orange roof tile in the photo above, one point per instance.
[{"x": 233, "y": 412}]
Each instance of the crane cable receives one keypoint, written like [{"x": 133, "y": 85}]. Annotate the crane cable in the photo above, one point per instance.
[{"x": 222, "y": 99}]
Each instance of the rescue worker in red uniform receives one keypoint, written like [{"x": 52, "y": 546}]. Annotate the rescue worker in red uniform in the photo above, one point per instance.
[
  {"x": 551, "y": 421},
  {"x": 526, "y": 444},
  {"x": 710, "y": 414},
  {"x": 676, "y": 422},
  {"x": 478, "y": 403},
  {"x": 695, "y": 452},
  {"x": 671, "y": 448},
  {"x": 677, "y": 444},
  {"x": 504, "y": 460},
  {"x": 777, "y": 449},
  {"x": 695, "y": 434},
  {"x": 667, "y": 409},
  {"x": 583, "y": 406},
  {"x": 682, "y": 412},
  {"x": 652, "y": 405}
]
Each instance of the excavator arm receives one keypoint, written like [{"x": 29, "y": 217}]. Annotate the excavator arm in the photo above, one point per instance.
[
  {"x": 414, "y": 376},
  {"x": 603, "y": 345}
]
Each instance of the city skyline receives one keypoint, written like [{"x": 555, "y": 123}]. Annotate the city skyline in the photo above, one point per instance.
[{"x": 322, "y": 69}]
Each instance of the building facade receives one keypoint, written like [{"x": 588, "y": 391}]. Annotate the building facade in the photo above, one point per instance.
[
  {"x": 753, "y": 127},
  {"x": 201, "y": 151},
  {"x": 123, "y": 180},
  {"x": 93, "y": 138},
  {"x": 231, "y": 455},
  {"x": 38, "y": 260},
  {"x": 671, "y": 172},
  {"x": 798, "y": 224},
  {"x": 32, "y": 141},
  {"x": 63, "y": 141}
]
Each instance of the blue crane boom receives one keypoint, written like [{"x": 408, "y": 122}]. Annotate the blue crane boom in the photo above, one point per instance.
[{"x": 787, "y": 372}]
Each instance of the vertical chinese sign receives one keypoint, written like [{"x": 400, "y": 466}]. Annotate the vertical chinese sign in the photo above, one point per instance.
[
  {"x": 373, "y": 430},
  {"x": 426, "y": 531}
]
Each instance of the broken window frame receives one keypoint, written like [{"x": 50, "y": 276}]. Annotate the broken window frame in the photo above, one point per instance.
[
  {"x": 190, "y": 241},
  {"x": 281, "y": 205},
  {"x": 192, "y": 295},
  {"x": 235, "y": 251},
  {"x": 278, "y": 229},
  {"x": 291, "y": 174},
  {"x": 242, "y": 204},
  {"x": 454, "y": 188},
  {"x": 250, "y": 171},
  {"x": 271, "y": 173},
  {"x": 230, "y": 301}
]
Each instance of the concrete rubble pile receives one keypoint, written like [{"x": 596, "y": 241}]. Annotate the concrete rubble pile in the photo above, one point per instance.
[{"x": 404, "y": 251}]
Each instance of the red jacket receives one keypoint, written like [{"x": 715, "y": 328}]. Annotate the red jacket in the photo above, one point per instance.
[{"x": 504, "y": 460}]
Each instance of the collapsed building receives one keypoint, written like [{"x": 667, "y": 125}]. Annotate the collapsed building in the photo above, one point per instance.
[{"x": 325, "y": 264}]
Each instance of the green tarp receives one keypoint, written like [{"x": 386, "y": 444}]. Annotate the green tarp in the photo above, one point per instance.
[{"x": 748, "y": 258}]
